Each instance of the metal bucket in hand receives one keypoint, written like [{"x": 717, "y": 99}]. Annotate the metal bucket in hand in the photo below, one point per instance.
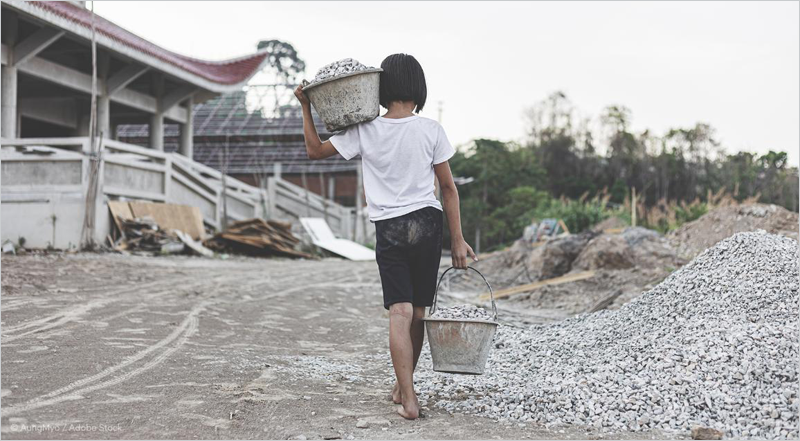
[
  {"x": 346, "y": 99},
  {"x": 460, "y": 346}
]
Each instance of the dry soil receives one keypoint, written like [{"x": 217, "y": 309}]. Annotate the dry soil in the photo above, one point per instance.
[{"x": 105, "y": 346}]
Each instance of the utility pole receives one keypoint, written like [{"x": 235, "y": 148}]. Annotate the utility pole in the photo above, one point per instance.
[
  {"x": 224, "y": 161},
  {"x": 90, "y": 204}
]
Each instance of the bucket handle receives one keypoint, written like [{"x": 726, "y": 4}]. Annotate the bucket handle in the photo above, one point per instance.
[{"x": 436, "y": 293}]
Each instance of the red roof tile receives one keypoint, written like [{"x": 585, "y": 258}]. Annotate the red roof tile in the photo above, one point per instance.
[{"x": 228, "y": 72}]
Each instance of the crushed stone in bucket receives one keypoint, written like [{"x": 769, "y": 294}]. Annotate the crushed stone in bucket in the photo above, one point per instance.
[
  {"x": 466, "y": 312},
  {"x": 345, "y": 93},
  {"x": 341, "y": 67}
]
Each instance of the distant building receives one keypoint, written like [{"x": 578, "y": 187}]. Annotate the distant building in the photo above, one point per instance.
[
  {"x": 46, "y": 73},
  {"x": 256, "y": 143},
  {"x": 56, "y": 184}
]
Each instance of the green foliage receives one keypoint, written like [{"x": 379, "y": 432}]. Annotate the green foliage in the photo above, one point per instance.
[
  {"x": 577, "y": 215},
  {"x": 688, "y": 213},
  {"x": 551, "y": 174}
]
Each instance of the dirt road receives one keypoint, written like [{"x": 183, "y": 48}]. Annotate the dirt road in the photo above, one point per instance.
[{"x": 111, "y": 346}]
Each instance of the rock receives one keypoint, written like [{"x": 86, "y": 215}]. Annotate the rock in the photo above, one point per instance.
[
  {"x": 341, "y": 67},
  {"x": 609, "y": 251},
  {"x": 555, "y": 257},
  {"x": 727, "y": 319},
  {"x": 298, "y": 437},
  {"x": 462, "y": 312},
  {"x": 362, "y": 424},
  {"x": 699, "y": 432}
]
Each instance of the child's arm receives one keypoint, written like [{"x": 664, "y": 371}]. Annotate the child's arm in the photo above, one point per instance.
[
  {"x": 315, "y": 148},
  {"x": 458, "y": 246}
]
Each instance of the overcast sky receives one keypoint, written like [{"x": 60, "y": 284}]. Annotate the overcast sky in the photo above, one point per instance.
[{"x": 734, "y": 65}]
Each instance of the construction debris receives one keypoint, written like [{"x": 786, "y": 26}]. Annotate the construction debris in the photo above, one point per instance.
[
  {"x": 462, "y": 312},
  {"x": 184, "y": 218},
  {"x": 715, "y": 345},
  {"x": 144, "y": 235},
  {"x": 322, "y": 237},
  {"x": 257, "y": 237},
  {"x": 193, "y": 245},
  {"x": 8, "y": 247}
]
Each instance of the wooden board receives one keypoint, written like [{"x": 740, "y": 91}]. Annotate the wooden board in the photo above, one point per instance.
[
  {"x": 531, "y": 286},
  {"x": 120, "y": 211},
  {"x": 172, "y": 217}
]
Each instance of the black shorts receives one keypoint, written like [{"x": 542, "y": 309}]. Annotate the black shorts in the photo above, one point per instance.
[{"x": 408, "y": 249}]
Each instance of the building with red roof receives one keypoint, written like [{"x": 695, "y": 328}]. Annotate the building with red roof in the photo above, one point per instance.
[
  {"x": 47, "y": 75},
  {"x": 59, "y": 179}
]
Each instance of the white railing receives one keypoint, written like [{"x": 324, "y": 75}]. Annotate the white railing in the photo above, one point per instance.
[
  {"x": 45, "y": 182},
  {"x": 290, "y": 202}
]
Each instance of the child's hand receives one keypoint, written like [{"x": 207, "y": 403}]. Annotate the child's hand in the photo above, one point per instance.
[
  {"x": 301, "y": 96},
  {"x": 460, "y": 250}
]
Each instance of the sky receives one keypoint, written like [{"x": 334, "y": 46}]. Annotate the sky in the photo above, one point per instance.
[{"x": 733, "y": 65}]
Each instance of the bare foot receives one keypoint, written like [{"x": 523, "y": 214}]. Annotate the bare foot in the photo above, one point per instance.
[
  {"x": 410, "y": 409},
  {"x": 397, "y": 397}
]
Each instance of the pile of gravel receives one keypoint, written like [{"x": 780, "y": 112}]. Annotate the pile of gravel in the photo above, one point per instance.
[
  {"x": 715, "y": 344},
  {"x": 462, "y": 312},
  {"x": 341, "y": 67}
]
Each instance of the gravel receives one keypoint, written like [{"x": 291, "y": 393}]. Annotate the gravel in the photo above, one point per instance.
[
  {"x": 463, "y": 312},
  {"x": 341, "y": 67},
  {"x": 714, "y": 345}
]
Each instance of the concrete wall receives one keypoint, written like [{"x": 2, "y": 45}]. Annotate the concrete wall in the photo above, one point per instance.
[
  {"x": 42, "y": 197},
  {"x": 44, "y": 183}
]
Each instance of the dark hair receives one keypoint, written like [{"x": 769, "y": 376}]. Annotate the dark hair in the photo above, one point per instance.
[{"x": 403, "y": 79}]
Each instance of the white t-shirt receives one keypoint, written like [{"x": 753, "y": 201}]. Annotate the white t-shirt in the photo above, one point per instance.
[{"x": 397, "y": 157}]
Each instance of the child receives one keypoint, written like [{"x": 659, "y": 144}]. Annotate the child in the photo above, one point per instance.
[{"x": 400, "y": 153}]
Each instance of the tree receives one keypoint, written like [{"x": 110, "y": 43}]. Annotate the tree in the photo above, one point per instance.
[{"x": 283, "y": 59}]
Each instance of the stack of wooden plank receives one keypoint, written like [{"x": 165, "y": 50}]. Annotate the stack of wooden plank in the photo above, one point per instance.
[{"x": 257, "y": 237}]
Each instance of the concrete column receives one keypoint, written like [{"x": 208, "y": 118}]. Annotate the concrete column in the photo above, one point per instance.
[
  {"x": 9, "y": 120},
  {"x": 157, "y": 132},
  {"x": 157, "y": 119},
  {"x": 104, "y": 116},
  {"x": 8, "y": 125},
  {"x": 187, "y": 131},
  {"x": 103, "y": 99}
]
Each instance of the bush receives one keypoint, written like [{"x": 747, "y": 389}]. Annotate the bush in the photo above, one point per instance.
[{"x": 578, "y": 215}]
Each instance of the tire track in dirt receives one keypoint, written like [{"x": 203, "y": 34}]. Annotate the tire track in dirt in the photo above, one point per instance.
[
  {"x": 68, "y": 315},
  {"x": 74, "y": 390},
  {"x": 73, "y": 311}
]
